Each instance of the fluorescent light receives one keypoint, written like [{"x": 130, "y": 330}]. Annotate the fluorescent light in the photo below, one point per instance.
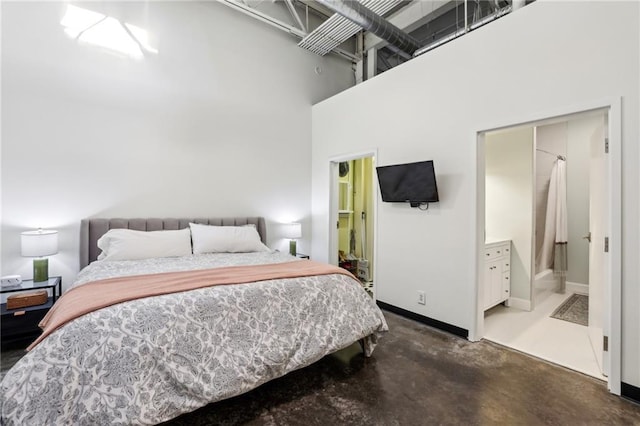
[{"x": 104, "y": 31}]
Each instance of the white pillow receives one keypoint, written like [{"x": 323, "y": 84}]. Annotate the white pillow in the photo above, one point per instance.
[
  {"x": 225, "y": 239},
  {"x": 127, "y": 244}
]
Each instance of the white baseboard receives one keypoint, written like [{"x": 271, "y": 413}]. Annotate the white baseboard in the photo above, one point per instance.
[
  {"x": 577, "y": 288},
  {"x": 524, "y": 304}
]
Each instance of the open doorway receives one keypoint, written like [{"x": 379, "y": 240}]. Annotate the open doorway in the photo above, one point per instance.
[
  {"x": 553, "y": 295},
  {"x": 353, "y": 239}
]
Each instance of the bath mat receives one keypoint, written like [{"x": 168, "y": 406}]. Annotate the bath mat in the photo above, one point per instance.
[{"x": 574, "y": 309}]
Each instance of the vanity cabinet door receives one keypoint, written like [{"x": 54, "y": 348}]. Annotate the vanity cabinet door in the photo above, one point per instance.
[{"x": 493, "y": 283}]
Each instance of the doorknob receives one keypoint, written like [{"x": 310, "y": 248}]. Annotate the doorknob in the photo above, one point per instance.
[{"x": 587, "y": 237}]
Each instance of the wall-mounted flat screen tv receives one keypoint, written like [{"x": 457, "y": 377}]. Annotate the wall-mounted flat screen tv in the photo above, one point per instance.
[{"x": 413, "y": 183}]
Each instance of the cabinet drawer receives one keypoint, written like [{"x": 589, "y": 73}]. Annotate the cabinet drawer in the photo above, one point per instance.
[
  {"x": 506, "y": 283},
  {"x": 506, "y": 265},
  {"x": 489, "y": 253},
  {"x": 496, "y": 252},
  {"x": 21, "y": 324}
]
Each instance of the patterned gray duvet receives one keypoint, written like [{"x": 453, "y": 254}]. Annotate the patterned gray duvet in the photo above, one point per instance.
[{"x": 149, "y": 360}]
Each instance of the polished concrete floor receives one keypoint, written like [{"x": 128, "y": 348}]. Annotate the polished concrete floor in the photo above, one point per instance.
[{"x": 421, "y": 376}]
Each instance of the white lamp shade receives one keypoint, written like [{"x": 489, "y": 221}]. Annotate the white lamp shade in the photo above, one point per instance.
[
  {"x": 39, "y": 243},
  {"x": 292, "y": 230}
]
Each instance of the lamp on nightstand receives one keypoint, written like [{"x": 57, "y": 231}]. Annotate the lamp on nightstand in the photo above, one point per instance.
[
  {"x": 292, "y": 231},
  {"x": 38, "y": 244}
]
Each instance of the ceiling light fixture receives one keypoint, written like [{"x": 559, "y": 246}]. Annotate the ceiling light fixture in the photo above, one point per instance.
[{"x": 101, "y": 30}]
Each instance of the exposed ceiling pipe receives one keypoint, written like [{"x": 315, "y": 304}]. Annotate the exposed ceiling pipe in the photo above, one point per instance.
[
  {"x": 463, "y": 31},
  {"x": 400, "y": 42}
]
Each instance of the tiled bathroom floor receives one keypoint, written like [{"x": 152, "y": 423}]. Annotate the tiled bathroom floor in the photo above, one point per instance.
[{"x": 537, "y": 334}]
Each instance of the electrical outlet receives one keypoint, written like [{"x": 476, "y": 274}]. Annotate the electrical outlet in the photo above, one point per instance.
[{"x": 422, "y": 298}]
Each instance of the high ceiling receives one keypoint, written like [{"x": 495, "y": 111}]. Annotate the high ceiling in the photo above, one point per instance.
[{"x": 372, "y": 37}]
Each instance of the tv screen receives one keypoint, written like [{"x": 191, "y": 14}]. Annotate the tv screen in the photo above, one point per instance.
[{"x": 414, "y": 183}]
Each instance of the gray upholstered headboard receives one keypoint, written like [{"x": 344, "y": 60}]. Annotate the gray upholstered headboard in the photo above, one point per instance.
[{"x": 92, "y": 229}]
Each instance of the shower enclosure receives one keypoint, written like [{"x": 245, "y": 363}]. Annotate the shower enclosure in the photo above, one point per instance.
[
  {"x": 562, "y": 207},
  {"x": 552, "y": 253}
]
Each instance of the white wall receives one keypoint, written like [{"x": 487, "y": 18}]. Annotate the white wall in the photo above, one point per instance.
[
  {"x": 217, "y": 124},
  {"x": 509, "y": 200},
  {"x": 544, "y": 57}
]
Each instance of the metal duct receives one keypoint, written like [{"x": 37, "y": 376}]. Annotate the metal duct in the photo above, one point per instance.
[
  {"x": 370, "y": 21},
  {"x": 498, "y": 14},
  {"x": 337, "y": 29}
]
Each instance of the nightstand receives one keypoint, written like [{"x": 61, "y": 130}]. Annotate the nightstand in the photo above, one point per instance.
[
  {"x": 22, "y": 323},
  {"x": 302, "y": 256}
]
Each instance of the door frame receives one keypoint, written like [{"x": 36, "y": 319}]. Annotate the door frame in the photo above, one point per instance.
[
  {"x": 612, "y": 108},
  {"x": 333, "y": 207}
]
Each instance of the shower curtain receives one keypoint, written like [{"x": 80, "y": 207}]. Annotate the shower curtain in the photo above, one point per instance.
[{"x": 554, "y": 245}]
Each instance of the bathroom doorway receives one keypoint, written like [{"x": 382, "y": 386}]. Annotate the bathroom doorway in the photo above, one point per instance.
[{"x": 518, "y": 174}]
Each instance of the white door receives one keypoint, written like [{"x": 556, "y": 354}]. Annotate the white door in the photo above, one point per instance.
[
  {"x": 489, "y": 284},
  {"x": 598, "y": 218}
]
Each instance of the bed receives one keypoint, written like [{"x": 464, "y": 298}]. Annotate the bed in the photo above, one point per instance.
[{"x": 149, "y": 359}]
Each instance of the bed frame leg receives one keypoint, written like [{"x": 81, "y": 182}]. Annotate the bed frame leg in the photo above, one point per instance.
[{"x": 361, "y": 342}]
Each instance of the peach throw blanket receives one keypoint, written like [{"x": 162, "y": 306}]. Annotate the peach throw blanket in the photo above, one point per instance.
[{"x": 99, "y": 294}]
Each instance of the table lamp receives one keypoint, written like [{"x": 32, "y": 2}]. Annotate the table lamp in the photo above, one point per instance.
[
  {"x": 292, "y": 231},
  {"x": 38, "y": 244}
]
